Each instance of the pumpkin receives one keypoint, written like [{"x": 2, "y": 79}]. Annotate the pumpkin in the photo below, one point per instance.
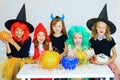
[
  {"x": 82, "y": 57},
  {"x": 69, "y": 63},
  {"x": 49, "y": 59},
  {"x": 5, "y": 35},
  {"x": 102, "y": 58}
]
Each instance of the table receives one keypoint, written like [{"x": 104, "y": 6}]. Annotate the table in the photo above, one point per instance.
[{"x": 87, "y": 71}]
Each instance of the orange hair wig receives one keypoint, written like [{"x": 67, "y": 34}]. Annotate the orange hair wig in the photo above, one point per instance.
[{"x": 23, "y": 27}]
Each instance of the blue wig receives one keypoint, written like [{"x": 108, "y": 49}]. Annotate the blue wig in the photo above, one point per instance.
[{"x": 85, "y": 37}]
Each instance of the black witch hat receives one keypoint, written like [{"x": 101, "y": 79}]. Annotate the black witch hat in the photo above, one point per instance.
[
  {"x": 102, "y": 17},
  {"x": 20, "y": 18}
]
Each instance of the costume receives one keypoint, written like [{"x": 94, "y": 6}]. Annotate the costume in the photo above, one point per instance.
[
  {"x": 36, "y": 52},
  {"x": 23, "y": 53},
  {"x": 77, "y": 52},
  {"x": 81, "y": 31},
  {"x": 84, "y": 44},
  {"x": 103, "y": 45},
  {"x": 40, "y": 28},
  {"x": 17, "y": 58},
  {"x": 58, "y": 42}
]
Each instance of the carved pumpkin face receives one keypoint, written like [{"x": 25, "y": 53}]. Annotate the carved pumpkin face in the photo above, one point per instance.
[
  {"x": 49, "y": 59},
  {"x": 5, "y": 35}
]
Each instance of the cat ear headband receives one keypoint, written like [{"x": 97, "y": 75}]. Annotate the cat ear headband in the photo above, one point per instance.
[{"x": 61, "y": 18}]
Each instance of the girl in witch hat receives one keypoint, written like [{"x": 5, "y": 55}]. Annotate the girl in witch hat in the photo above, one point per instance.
[
  {"x": 101, "y": 41},
  {"x": 18, "y": 45}
]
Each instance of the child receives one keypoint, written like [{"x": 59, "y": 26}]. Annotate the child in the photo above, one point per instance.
[
  {"x": 101, "y": 41},
  {"x": 18, "y": 45},
  {"x": 41, "y": 42},
  {"x": 58, "y": 34},
  {"x": 78, "y": 39}
]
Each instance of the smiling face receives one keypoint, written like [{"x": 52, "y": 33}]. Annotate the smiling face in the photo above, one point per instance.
[
  {"x": 57, "y": 28},
  {"x": 19, "y": 33},
  {"x": 41, "y": 37},
  {"x": 77, "y": 39},
  {"x": 101, "y": 28}
]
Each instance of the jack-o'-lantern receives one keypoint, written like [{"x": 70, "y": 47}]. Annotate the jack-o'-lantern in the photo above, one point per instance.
[
  {"x": 5, "y": 35},
  {"x": 82, "y": 57},
  {"x": 49, "y": 59}
]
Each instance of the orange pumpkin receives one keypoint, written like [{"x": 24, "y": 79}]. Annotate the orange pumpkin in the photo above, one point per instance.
[
  {"x": 49, "y": 59},
  {"x": 5, "y": 35}
]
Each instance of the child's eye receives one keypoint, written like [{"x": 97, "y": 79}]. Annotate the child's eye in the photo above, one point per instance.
[
  {"x": 59, "y": 26},
  {"x": 54, "y": 26},
  {"x": 75, "y": 37}
]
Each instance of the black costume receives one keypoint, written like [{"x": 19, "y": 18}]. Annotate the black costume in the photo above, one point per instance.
[
  {"x": 58, "y": 43},
  {"x": 102, "y": 46}
]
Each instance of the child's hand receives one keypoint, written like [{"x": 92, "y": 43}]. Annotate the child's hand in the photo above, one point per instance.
[
  {"x": 90, "y": 53},
  {"x": 93, "y": 59}
]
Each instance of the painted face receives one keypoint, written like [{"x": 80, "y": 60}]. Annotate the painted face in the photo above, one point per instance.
[
  {"x": 101, "y": 28},
  {"x": 19, "y": 32},
  {"x": 58, "y": 27},
  {"x": 41, "y": 37},
  {"x": 77, "y": 39}
]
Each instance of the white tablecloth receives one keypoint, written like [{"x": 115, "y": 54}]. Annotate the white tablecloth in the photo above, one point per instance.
[{"x": 86, "y": 71}]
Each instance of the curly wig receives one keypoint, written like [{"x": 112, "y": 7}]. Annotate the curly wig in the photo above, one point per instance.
[{"x": 82, "y": 31}]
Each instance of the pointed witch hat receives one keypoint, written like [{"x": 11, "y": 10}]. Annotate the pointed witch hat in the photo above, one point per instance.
[
  {"x": 102, "y": 17},
  {"x": 20, "y": 18}
]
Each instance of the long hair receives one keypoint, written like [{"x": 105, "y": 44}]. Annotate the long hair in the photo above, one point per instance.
[
  {"x": 81, "y": 31},
  {"x": 23, "y": 27},
  {"x": 94, "y": 33},
  {"x": 40, "y": 28},
  {"x": 54, "y": 22}
]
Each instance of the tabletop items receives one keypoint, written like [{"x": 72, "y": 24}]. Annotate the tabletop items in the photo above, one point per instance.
[
  {"x": 49, "y": 59},
  {"x": 4, "y": 35}
]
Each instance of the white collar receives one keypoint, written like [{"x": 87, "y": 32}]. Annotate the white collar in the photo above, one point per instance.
[{"x": 99, "y": 37}]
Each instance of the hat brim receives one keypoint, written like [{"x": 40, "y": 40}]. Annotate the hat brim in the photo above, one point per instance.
[
  {"x": 91, "y": 22},
  {"x": 9, "y": 23}
]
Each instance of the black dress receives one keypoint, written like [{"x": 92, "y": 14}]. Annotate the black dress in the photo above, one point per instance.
[
  {"x": 102, "y": 46},
  {"x": 58, "y": 43},
  {"x": 23, "y": 52}
]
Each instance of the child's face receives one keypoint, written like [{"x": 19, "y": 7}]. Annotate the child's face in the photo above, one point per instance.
[
  {"x": 101, "y": 28},
  {"x": 19, "y": 33},
  {"x": 41, "y": 37},
  {"x": 77, "y": 39},
  {"x": 58, "y": 27}
]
